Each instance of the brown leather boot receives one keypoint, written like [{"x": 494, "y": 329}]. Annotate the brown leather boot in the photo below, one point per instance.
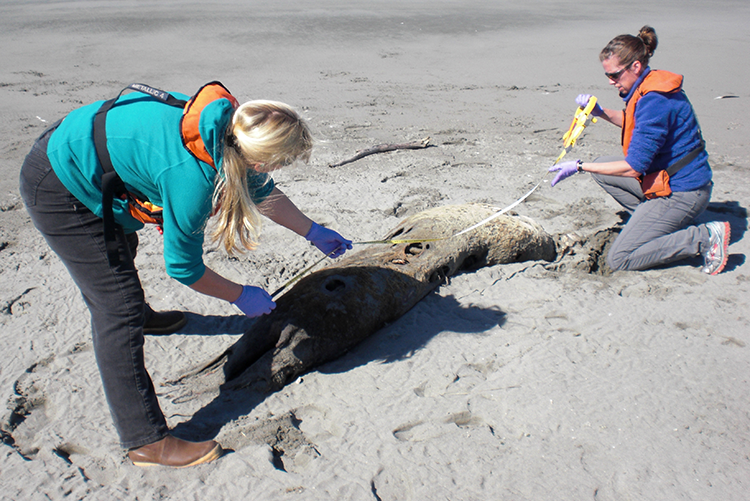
[
  {"x": 174, "y": 452},
  {"x": 163, "y": 322}
]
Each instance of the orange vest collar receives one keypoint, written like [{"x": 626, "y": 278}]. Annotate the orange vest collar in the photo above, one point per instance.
[
  {"x": 656, "y": 81},
  {"x": 191, "y": 117}
]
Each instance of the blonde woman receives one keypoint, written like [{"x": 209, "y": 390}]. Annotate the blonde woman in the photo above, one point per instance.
[{"x": 185, "y": 161}]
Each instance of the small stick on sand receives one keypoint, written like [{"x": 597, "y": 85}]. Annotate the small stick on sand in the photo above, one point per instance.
[{"x": 382, "y": 148}]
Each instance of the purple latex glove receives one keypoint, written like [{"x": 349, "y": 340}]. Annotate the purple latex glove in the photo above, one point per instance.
[
  {"x": 328, "y": 240},
  {"x": 564, "y": 169},
  {"x": 583, "y": 99},
  {"x": 254, "y": 301}
]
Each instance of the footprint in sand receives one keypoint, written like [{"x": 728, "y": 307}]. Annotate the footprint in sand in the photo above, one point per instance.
[
  {"x": 419, "y": 431},
  {"x": 29, "y": 425},
  {"x": 27, "y": 414}
]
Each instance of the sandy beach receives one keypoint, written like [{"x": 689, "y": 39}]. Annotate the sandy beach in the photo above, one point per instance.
[{"x": 526, "y": 381}]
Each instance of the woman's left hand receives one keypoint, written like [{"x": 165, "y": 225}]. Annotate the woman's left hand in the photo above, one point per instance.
[
  {"x": 328, "y": 241},
  {"x": 564, "y": 170},
  {"x": 583, "y": 100},
  {"x": 254, "y": 301}
]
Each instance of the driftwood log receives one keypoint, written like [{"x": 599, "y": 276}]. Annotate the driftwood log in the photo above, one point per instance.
[
  {"x": 382, "y": 148},
  {"x": 328, "y": 312}
]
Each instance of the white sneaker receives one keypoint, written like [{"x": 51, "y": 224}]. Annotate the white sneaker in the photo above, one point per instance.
[{"x": 715, "y": 258}]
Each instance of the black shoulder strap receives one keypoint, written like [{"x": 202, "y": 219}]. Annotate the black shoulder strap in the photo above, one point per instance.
[
  {"x": 112, "y": 185},
  {"x": 679, "y": 164},
  {"x": 100, "y": 119},
  {"x": 166, "y": 97}
]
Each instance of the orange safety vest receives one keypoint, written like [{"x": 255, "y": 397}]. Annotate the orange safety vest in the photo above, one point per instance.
[
  {"x": 191, "y": 117},
  {"x": 139, "y": 207},
  {"x": 656, "y": 81}
]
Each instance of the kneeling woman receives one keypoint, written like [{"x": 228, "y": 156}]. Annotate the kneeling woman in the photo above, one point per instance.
[
  {"x": 194, "y": 159},
  {"x": 660, "y": 133}
]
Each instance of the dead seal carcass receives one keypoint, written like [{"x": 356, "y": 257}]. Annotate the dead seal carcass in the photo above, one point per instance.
[{"x": 328, "y": 312}]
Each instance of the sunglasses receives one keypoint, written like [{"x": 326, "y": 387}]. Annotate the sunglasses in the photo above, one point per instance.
[{"x": 616, "y": 75}]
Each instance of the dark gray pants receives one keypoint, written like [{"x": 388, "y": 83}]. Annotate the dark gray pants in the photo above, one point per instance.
[
  {"x": 658, "y": 231},
  {"x": 113, "y": 295}
]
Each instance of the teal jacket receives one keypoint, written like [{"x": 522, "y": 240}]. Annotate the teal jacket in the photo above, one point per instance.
[{"x": 144, "y": 142}]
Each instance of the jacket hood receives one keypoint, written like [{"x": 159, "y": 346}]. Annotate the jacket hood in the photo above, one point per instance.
[{"x": 215, "y": 118}]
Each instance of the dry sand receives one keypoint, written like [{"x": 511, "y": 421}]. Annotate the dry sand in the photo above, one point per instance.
[{"x": 527, "y": 381}]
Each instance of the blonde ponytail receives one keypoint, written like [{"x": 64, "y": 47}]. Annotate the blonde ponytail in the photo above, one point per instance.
[{"x": 262, "y": 132}]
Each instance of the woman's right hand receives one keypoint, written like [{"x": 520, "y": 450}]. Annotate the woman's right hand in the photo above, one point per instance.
[
  {"x": 254, "y": 301},
  {"x": 328, "y": 241},
  {"x": 583, "y": 99}
]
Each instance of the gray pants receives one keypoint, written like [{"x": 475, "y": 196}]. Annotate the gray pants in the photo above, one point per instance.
[
  {"x": 113, "y": 295},
  {"x": 658, "y": 231}
]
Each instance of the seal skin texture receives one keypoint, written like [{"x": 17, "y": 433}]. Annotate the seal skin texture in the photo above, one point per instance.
[{"x": 328, "y": 312}]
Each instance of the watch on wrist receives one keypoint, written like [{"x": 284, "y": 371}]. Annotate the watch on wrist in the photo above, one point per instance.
[{"x": 579, "y": 166}]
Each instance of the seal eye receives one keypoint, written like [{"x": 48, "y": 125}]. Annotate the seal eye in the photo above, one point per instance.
[{"x": 415, "y": 249}]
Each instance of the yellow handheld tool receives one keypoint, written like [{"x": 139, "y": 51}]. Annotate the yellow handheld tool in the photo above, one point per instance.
[{"x": 580, "y": 121}]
